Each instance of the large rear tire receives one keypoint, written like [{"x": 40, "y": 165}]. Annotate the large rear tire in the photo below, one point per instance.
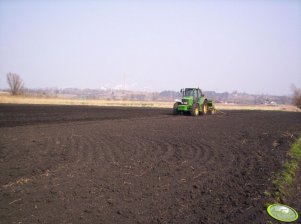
[
  {"x": 205, "y": 108},
  {"x": 195, "y": 110},
  {"x": 175, "y": 109}
]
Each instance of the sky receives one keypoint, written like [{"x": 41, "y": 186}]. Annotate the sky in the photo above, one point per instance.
[{"x": 222, "y": 45}]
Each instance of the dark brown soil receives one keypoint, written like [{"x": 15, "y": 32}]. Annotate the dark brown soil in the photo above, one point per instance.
[{"x": 73, "y": 164}]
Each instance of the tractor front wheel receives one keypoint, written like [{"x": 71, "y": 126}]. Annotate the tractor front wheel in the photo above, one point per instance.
[
  {"x": 175, "y": 109},
  {"x": 195, "y": 110}
]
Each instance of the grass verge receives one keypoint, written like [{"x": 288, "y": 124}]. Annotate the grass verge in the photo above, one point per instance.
[
  {"x": 88, "y": 102},
  {"x": 284, "y": 180},
  {"x": 6, "y": 98}
]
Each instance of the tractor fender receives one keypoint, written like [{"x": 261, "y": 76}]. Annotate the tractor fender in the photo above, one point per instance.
[
  {"x": 202, "y": 100},
  {"x": 178, "y": 101}
]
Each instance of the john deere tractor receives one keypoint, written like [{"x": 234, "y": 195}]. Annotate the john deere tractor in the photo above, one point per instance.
[{"x": 194, "y": 102}]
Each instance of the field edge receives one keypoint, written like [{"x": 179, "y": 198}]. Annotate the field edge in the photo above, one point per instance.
[
  {"x": 8, "y": 99},
  {"x": 284, "y": 179}
]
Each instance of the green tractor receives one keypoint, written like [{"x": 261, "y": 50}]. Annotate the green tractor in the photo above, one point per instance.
[{"x": 194, "y": 102}]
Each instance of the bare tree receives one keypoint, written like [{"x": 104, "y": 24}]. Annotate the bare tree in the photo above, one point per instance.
[
  {"x": 15, "y": 83},
  {"x": 296, "y": 96}
]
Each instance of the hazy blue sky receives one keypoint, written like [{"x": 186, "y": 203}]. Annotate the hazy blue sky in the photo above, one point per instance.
[{"x": 251, "y": 46}]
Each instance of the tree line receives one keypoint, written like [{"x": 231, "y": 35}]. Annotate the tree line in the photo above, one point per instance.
[
  {"x": 16, "y": 87},
  {"x": 15, "y": 83}
]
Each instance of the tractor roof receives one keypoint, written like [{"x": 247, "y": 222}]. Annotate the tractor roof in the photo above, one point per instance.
[{"x": 192, "y": 88}]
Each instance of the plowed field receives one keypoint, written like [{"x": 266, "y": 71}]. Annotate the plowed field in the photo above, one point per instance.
[{"x": 73, "y": 164}]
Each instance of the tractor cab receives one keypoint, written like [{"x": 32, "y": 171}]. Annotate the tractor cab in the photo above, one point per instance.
[{"x": 191, "y": 92}]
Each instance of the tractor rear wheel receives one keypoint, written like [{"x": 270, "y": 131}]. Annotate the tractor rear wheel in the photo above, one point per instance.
[
  {"x": 205, "y": 108},
  {"x": 195, "y": 110},
  {"x": 175, "y": 109}
]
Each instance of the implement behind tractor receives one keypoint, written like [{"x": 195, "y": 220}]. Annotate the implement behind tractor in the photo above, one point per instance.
[{"x": 194, "y": 102}]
